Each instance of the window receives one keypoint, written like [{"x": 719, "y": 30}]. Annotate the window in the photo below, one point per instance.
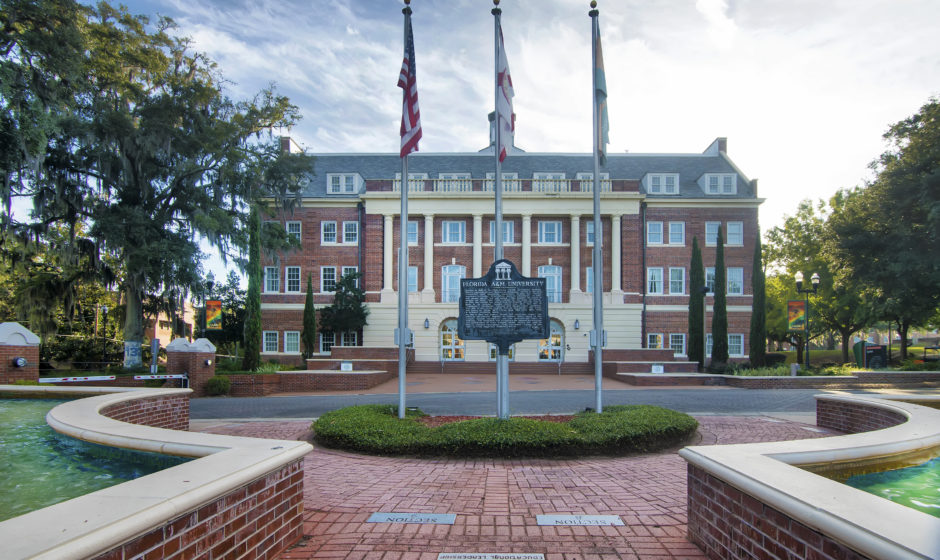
[
  {"x": 293, "y": 230},
  {"x": 452, "y": 347},
  {"x": 327, "y": 279},
  {"x": 510, "y": 182},
  {"x": 272, "y": 280},
  {"x": 586, "y": 181},
  {"x": 708, "y": 345},
  {"x": 676, "y": 281},
  {"x": 351, "y": 232},
  {"x": 351, "y": 270},
  {"x": 412, "y": 279},
  {"x": 292, "y": 279},
  {"x": 721, "y": 183},
  {"x": 663, "y": 183},
  {"x": 327, "y": 232},
  {"x": 350, "y": 338},
  {"x": 494, "y": 352},
  {"x": 341, "y": 183},
  {"x": 292, "y": 342},
  {"x": 654, "y": 280},
  {"x": 654, "y": 233},
  {"x": 711, "y": 232},
  {"x": 548, "y": 182},
  {"x": 677, "y": 343},
  {"x": 552, "y": 275},
  {"x": 455, "y": 182},
  {"x": 327, "y": 341},
  {"x": 677, "y": 233},
  {"x": 735, "y": 233},
  {"x": 269, "y": 339},
  {"x": 508, "y": 234},
  {"x": 415, "y": 181},
  {"x": 412, "y": 232},
  {"x": 450, "y": 282},
  {"x": 549, "y": 349},
  {"x": 454, "y": 232},
  {"x": 735, "y": 344},
  {"x": 654, "y": 340},
  {"x": 589, "y": 279},
  {"x": 710, "y": 279},
  {"x": 735, "y": 281},
  {"x": 550, "y": 232}
]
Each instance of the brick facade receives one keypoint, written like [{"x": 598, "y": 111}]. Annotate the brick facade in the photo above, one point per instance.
[
  {"x": 170, "y": 412},
  {"x": 17, "y": 342}
]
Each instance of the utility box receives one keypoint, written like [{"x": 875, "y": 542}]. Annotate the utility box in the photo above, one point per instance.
[
  {"x": 858, "y": 352},
  {"x": 876, "y": 356}
]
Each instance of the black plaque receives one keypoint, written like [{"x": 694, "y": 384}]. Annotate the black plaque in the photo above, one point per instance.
[{"x": 503, "y": 307}]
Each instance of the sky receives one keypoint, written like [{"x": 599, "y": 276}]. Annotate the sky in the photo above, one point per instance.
[{"x": 803, "y": 90}]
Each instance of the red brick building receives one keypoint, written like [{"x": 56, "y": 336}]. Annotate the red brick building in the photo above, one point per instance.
[{"x": 652, "y": 206}]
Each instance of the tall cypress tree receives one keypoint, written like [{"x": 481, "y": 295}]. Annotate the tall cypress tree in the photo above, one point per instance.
[
  {"x": 696, "y": 342},
  {"x": 720, "y": 311},
  {"x": 758, "y": 335},
  {"x": 253, "y": 302},
  {"x": 309, "y": 333}
]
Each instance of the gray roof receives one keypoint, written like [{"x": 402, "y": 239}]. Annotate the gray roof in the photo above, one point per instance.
[{"x": 690, "y": 167}]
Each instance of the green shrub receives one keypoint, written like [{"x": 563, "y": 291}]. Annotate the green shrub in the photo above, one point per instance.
[
  {"x": 618, "y": 430},
  {"x": 218, "y": 385},
  {"x": 776, "y": 371},
  {"x": 268, "y": 367}
]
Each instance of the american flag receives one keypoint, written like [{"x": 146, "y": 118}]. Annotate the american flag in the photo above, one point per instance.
[
  {"x": 410, "y": 115},
  {"x": 505, "y": 119}
]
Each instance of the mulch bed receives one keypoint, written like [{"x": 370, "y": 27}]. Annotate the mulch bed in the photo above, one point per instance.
[{"x": 434, "y": 421}]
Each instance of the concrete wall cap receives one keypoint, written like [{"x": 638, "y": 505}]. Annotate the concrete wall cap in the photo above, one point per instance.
[
  {"x": 15, "y": 334},
  {"x": 178, "y": 345},
  {"x": 202, "y": 345}
]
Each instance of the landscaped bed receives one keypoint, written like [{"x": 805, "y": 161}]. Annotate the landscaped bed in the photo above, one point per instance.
[{"x": 619, "y": 430}]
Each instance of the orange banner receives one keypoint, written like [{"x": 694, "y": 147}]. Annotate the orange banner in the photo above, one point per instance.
[
  {"x": 796, "y": 315},
  {"x": 213, "y": 315}
]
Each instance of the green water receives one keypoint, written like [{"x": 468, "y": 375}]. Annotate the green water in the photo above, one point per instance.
[
  {"x": 916, "y": 487},
  {"x": 39, "y": 468}
]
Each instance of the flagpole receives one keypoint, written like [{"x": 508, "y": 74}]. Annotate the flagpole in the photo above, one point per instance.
[
  {"x": 403, "y": 245},
  {"x": 502, "y": 361},
  {"x": 598, "y": 255}
]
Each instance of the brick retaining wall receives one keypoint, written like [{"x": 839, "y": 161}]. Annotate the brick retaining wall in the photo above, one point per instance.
[
  {"x": 295, "y": 382},
  {"x": 170, "y": 412},
  {"x": 853, "y": 418}
]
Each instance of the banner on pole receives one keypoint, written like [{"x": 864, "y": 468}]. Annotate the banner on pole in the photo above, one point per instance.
[
  {"x": 213, "y": 315},
  {"x": 796, "y": 315}
]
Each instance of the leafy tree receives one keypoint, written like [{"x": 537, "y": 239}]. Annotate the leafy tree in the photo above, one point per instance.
[
  {"x": 348, "y": 312},
  {"x": 696, "y": 342},
  {"x": 887, "y": 234},
  {"x": 252, "y": 332},
  {"x": 758, "y": 336},
  {"x": 720, "y": 310},
  {"x": 309, "y": 333}
]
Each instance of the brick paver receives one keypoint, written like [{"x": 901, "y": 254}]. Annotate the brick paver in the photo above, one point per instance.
[{"x": 496, "y": 501}]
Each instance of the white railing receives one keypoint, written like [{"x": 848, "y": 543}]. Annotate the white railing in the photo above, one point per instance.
[{"x": 509, "y": 185}]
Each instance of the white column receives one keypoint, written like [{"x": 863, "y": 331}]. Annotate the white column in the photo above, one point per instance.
[
  {"x": 477, "y": 245},
  {"x": 527, "y": 244},
  {"x": 575, "y": 253},
  {"x": 615, "y": 255},
  {"x": 428, "y": 253},
  {"x": 389, "y": 258}
]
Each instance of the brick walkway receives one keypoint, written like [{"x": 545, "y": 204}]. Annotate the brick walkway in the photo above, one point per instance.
[{"x": 496, "y": 501}]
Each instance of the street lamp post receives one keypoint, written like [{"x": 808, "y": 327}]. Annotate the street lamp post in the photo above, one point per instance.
[
  {"x": 104, "y": 334},
  {"x": 814, "y": 279},
  {"x": 210, "y": 282}
]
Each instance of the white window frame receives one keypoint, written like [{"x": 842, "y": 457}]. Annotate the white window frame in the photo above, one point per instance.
[
  {"x": 342, "y": 183},
  {"x": 720, "y": 183},
  {"x": 654, "y": 341},
  {"x": 708, "y": 345},
  {"x": 294, "y": 229},
  {"x": 493, "y": 352},
  {"x": 677, "y": 349},
  {"x": 292, "y": 342},
  {"x": 710, "y": 279},
  {"x": 349, "y": 338},
  {"x": 676, "y": 234},
  {"x": 510, "y": 182},
  {"x": 350, "y": 233},
  {"x": 662, "y": 183},
  {"x": 545, "y": 232},
  {"x": 289, "y": 271},
  {"x": 412, "y": 232},
  {"x": 412, "y": 279},
  {"x": 454, "y": 182},
  {"x": 325, "y": 234},
  {"x": 736, "y": 281},
  {"x": 269, "y": 342},
  {"x": 449, "y": 272},
  {"x": 589, "y": 279},
  {"x": 654, "y": 233},
  {"x": 327, "y": 341},
  {"x": 450, "y": 227},
  {"x": 349, "y": 270},
  {"x": 552, "y": 275},
  {"x": 545, "y": 181},
  {"x": 589, "y": 233},
  {"x": 551, "y": 349},
  {"x": 415, "y": 181},
  {"x": 509, "y": 235},
  {"x": 457, "y": 347},
  {"x": 739, "y": 342},
  {"x": 654, "y": 280},
  {"x": 586, "y": 179},
  {"x": 272, "y": 280},
  {"x": 324, "y": 281},
  {"x": 711, "y": 237},
  {"x": 738, "y": 232},
  {"x": 673, "y": 270}
]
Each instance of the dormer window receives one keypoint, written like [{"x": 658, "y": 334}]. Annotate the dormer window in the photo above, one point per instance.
[
  {"x": 720, "y": 183},
  {"x": 662, "y": 183},
  {"x": 342, "y": 183}
]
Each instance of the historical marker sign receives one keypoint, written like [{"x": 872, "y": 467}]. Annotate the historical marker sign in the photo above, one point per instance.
[
  {"x": 424, "y": 518},
  {"x": 579, "y": 520},
  {"x": 503, "y": 307}
]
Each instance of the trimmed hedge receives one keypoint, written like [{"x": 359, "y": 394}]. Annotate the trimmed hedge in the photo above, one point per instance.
[{"x": 619, "y": 430}]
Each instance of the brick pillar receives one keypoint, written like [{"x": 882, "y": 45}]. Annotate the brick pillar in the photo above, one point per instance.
[
  {"x": 196, "y": 359},
  {"x": 16, "y": 345}
]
